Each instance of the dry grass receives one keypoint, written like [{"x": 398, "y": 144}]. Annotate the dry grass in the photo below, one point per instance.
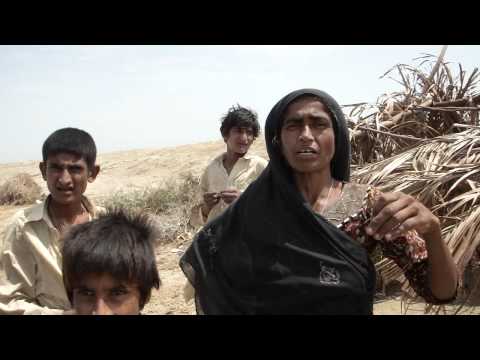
[
  {"x": 19, "y": 190},
  {"x": 172, "y": 201}
]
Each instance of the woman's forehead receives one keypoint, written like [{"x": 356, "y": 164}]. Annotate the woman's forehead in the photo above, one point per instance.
[{"x": 305, "y": 105}]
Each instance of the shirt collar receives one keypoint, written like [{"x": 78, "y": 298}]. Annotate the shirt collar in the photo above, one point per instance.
[
  {"x": 246, "y": 157},
  {"x": 40, "y": 210}
]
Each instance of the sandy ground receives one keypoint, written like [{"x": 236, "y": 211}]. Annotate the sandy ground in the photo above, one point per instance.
[{"x": 129, "y": 170}]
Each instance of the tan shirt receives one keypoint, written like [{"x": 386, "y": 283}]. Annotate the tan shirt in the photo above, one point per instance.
[
  {"x": 216, "y": 179},
  {"x": 32, "y": 263}
]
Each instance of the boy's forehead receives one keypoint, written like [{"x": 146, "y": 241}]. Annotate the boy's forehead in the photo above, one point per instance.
[
  {"x": 244, "y": 127},
  {"x": 65, "y": 157},
  {"x": 103, "y": 280}
]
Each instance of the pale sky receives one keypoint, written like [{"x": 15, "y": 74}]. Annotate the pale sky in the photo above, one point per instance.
[{"x": 131, "y": 97}]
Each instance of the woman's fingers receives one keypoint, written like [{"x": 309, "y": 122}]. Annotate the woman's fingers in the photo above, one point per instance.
[
  {"x": 399, "y": 223},
  {"x": 407, "y": 225},
  {"x": 386, "y": 214},
  {"x": 397, "y": 213}
]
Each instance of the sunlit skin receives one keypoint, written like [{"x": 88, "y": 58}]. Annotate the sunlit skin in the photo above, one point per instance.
[
  {"x": 101, "y": 294},
  {"x": 308, "y": 144}
]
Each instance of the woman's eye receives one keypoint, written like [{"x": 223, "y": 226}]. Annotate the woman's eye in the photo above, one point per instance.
[
  {"x": 319, "y": 125},
  {"x": 292, "y": 126}
]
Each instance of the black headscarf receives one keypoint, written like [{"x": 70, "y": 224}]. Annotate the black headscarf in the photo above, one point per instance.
[{"x": 270, "y": 253}]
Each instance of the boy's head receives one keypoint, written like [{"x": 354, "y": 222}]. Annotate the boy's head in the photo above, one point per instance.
[
  {"x": 239, "y": 128},
  {"x": 109, "y": 264},
  {"x": 68, "y": 164}
]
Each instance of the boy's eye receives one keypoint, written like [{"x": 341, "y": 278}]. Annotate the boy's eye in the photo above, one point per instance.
[
  {"x": 54, "y": 168},
  {"x": 119, "y": 291},
  {"x": 75, "y": 169},
  {"x": 85, "y": 292}
]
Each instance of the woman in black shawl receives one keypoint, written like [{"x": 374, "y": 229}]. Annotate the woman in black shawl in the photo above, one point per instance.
[{"x": 293, "y": 244}]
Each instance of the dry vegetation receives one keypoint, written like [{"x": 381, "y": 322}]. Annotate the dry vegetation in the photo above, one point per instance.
[
  {"x": 425, "y": 141},
  {"x": 435, "y": 101},
  {"x": 169, "y": 204},
  {"x": 19, "y": 190}
]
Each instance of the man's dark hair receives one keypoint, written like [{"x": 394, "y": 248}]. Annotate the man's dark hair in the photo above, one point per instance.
[
  {"x": 240, "y": 117},
  {"x": 72, "y": 141},
  {"x": 118, "y": 243}
]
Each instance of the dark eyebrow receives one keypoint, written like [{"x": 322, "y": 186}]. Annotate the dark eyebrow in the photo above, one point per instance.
[
  {"x": 53, "y": 164},
  {"x": 298, "y": 119},
  {"x": 323, "y": 117},
  {"x": 120, "y": 287},
  {"x": 58, "y": 166},
  {"x": 293, "y": 119},
  {"x": 83, "y": 287}
]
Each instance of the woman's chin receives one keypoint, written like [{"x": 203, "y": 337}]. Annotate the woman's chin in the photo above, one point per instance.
[{"x": 307, "y": 168}]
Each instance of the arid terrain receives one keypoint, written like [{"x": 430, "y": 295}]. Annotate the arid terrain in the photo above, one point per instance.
[{"x": 136, "y": 169}]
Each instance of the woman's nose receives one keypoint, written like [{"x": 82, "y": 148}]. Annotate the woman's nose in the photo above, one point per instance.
[{"x": 306, "y": 133}]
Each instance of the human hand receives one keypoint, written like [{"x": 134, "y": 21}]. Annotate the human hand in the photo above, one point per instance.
[
  {"x": 397, "y": 213},
  {"x": 229, "y": 195},
  {"x": 211, "y": 199}
]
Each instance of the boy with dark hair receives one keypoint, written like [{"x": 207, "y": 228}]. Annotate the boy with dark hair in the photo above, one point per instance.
[
  {"x": 231, "y": 172},
  {"x": 31, "y": 253},
  {"x": 109, "y": 264}
]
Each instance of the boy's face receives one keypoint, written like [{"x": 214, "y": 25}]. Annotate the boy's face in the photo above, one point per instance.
[
  {"x": 67, "y": 176},
  {"x": 239, "y": 139},
  {"x": 101, "y": 294}
]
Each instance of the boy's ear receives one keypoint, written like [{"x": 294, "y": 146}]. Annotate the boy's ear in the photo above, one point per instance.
[
  {"x": 92, "y": 174},
  {"x": 43, "y": 169}
]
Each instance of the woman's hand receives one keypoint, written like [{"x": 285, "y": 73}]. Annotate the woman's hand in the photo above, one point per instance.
[{"x": 397, "y": 213}]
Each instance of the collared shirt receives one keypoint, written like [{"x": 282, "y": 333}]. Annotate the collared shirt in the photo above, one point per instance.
[
  {"x": 32, "y": 263},
  {"x": 216, "y": 179}
]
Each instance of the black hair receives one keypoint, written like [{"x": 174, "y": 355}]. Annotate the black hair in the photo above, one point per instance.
[
  {"x": 240, "y": 117},
  {"x": 72, "y": 141},
  {"x": 118, "y": 243}
]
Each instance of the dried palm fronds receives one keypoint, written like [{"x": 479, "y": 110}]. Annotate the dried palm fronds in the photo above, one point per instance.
[
  {"x": 444, "y": 174},
  {"x": 434, "y": 102}
]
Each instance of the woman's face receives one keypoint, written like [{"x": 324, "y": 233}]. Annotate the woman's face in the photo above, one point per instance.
[{"x": 307, "y": 136}]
